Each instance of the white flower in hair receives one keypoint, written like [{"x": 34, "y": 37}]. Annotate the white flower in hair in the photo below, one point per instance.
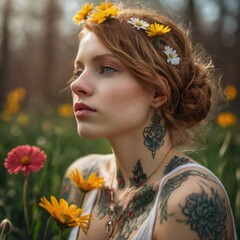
[
  {"x": 172, "y": 55},
  {"x": 139, "y": 24}
]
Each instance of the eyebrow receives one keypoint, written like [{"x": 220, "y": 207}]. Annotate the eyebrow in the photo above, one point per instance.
[{"x": 96, "y": 58}]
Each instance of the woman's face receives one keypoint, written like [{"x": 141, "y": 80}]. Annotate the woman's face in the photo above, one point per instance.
[{"x": 107, "y": 100}]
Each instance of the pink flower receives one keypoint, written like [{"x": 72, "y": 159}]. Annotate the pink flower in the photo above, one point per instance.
[{"x": 25, "y": 158}]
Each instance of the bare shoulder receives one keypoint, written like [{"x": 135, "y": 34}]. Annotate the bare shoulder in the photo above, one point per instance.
[
  {"x": 86, "y": 165},
  {"x": 90, "y": 163},
  {"x": 193, "y": 205}
]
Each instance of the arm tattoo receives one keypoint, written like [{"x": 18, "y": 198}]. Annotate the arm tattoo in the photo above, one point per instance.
[
  {"x": 66, "y": 188},
  {"x": 69, "y": 192},
  {"x": 171, "y": 185},
  {"x": 87, "y": 171},
  {"x": 206, "y": 215}
]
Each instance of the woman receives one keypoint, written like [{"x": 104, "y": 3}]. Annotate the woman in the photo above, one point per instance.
[{"x": 139, "y": 83}]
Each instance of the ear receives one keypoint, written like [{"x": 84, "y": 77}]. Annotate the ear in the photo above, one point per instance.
[{"x": 158, "y": 100}]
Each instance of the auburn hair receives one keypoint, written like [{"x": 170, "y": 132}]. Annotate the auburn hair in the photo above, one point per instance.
[{"x": 191, "y": 88}]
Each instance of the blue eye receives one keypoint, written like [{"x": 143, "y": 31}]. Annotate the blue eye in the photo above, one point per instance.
[{"x": 107, "y": 69}]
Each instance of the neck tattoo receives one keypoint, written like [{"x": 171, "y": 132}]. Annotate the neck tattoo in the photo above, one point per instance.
[{"x": 115, "y": 210}]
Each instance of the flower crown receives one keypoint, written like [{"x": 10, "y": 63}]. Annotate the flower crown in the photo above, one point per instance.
[{"x": 109, "y": 10}]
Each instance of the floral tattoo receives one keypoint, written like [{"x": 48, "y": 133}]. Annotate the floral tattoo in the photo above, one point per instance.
[
  {"x": 138, "y": 175},
  {"x": 136, "y": 211},
  {"x": 206, "y": 215},
  {"x": 173, "y": 184}
]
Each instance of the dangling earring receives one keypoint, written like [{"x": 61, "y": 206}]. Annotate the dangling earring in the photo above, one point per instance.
[{"x": 154, "y": 134}]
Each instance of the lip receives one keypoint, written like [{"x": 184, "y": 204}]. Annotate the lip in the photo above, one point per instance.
[{"x": 81, "y": 109}]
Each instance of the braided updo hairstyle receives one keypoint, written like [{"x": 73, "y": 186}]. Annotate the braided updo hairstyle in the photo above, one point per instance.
[{"x": 189, "y": 87}]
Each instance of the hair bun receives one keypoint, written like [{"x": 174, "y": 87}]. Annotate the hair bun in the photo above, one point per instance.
[{"x": 195, "y": 102}]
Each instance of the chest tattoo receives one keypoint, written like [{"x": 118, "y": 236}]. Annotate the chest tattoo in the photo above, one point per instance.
[{"x": 133, "y": 215}]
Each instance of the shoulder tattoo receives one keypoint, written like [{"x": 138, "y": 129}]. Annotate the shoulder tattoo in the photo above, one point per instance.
[
  {"x": 174, "y": 163},
  {"x": 171, "y": 185},
  {"x": 206, "y": 214}
]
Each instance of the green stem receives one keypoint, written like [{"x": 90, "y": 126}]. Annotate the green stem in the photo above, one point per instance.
[
  {"x": 25, "y": 208},
  {"x": 46, "y": 227},
  {"x": 225, "y": 144},
  {"x": 2, "y": 237},
  {"x": 60, "y": 235}
]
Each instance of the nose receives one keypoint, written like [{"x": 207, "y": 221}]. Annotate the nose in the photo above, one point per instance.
[{"x": 81, "y": 86}]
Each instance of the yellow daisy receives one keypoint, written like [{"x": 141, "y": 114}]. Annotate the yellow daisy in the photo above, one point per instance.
[
  {"x": 102, "y": 14},
  {"x": 66, "y": 215},
  {"x": 103, "y": 6},
  {"x": 84, "y": 13},
  {"x": 157, "y": 29},
  {"x": 92, "y": 182}
]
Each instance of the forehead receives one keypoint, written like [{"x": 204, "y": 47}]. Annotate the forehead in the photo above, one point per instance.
[
  {"x": 90, "y": 42},
  {"x": 89, "y": 46}
]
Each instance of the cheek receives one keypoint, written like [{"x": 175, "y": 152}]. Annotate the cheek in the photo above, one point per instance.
[{"x": 130, "y": 99}]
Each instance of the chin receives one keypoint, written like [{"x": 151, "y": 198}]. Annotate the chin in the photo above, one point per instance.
[{"x": 83, "y": 133}]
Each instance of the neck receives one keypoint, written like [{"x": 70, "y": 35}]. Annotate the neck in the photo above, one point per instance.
[{"x": 134, "y": 161}]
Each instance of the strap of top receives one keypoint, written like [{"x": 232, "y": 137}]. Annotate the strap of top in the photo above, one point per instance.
[
  {"x": 147, "y": 229},
  {"x": 87, "y": 206}
]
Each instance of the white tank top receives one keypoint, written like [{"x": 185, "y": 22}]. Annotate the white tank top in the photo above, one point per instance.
[{"x": 146, "y": 231}]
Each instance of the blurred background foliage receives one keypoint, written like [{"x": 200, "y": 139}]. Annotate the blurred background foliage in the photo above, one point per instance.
[{"x": 37, "y": 47}]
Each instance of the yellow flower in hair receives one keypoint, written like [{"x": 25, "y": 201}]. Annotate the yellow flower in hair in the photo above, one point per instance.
[
  {"x": 66, "y": 215},
  {"x": 104, "y": 12},
  {"x": 157, "y": 29},
  {"x": 103, "y": 6},
  {"x": 92, "y": 182},
  {"x": 84, "y": 13}
]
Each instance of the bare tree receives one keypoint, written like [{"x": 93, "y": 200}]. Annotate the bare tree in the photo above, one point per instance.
[
  {"x": 4, "y": 48},
  {"x": 49, "y": 49}
]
